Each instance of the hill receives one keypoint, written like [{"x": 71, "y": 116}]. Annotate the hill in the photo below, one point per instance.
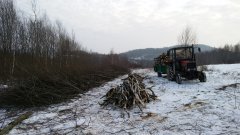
[{"x": 151, "y": 53}]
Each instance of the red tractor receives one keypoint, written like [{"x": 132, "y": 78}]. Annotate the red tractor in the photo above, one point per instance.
[{"x": 182, "y": 64}]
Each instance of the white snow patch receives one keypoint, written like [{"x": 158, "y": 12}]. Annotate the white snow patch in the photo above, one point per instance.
[{"x": 40, "y": 116}]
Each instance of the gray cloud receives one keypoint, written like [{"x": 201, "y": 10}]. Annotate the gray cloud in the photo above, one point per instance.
[{"x": 128, "y": 24}]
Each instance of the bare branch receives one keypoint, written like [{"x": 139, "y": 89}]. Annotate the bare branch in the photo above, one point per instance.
[{"x": 187, "y": 37}]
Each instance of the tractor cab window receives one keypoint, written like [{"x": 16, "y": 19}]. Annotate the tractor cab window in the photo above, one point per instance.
[{"x": 184, "y": 53}]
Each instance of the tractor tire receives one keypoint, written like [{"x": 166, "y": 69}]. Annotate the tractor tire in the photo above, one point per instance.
[
  {"x": 159, "y": 74},
  {"x": 202, "y": 77},
  {"x": 178, "y": 79},
  {"x": 170, "y": 75}
]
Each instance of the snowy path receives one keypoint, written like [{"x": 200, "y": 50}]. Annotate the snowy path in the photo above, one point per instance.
[{"x": 189, "y": 108}]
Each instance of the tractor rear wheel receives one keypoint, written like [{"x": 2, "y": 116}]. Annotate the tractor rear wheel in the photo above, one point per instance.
[
  {"x": 170, "y": 74},
  {"x": 202, "y": 77},
  {"x": 178, "y": 79}
]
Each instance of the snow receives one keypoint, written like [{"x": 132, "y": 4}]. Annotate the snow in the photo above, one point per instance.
[{"x": 189, "y": 108}]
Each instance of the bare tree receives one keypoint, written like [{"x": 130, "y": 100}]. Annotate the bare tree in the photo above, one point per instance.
[
  {"x": 8, "y": 35},
  {"x": 187, "y": 37}
]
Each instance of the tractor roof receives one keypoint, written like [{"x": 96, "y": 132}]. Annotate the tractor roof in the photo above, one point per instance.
[{"x": 181, "y": 47}]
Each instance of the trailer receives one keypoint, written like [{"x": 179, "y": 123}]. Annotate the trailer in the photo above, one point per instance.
[{"x": 160, "y": 64}]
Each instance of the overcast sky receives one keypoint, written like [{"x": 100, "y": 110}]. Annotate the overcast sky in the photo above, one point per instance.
[{"x": 124, "y": 25}]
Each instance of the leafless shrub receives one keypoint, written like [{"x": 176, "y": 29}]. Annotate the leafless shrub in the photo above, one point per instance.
[{"x": 187, "y": 37}]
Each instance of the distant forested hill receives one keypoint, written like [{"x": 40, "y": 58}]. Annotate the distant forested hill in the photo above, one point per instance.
[{"x": 151, "y": 53}]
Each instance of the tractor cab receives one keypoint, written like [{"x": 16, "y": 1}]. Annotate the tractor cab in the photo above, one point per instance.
[
  {"x": 182, "y": 64},
  {"x": 183, "y": 58}
]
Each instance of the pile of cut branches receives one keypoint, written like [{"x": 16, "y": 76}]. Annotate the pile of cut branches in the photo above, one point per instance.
[{"x": 130, "y": 93}]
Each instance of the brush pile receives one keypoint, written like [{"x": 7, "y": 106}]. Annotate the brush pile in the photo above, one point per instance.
[
  {"x": 162, "y": 59},
  {"x": 130, "y": 93}
]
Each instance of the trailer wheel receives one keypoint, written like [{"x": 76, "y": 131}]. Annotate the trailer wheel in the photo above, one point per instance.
[
  {"x": 178, "y": 79},
  {"x": 159, "y": 74},
  {"x": 202, "y": 77}
]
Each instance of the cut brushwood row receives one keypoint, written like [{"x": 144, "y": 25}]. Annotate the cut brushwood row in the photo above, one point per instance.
[{"x": 130, "y": 93}]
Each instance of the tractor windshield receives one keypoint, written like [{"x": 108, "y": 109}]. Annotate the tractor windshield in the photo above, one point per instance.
[{"x": 184, "y": 53}]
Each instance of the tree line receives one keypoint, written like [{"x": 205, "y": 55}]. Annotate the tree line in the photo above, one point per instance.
[
  {"x": 36, "y": 55},
  {"x": 37, "y": 45},
  {"x": 228, "y": 54}
]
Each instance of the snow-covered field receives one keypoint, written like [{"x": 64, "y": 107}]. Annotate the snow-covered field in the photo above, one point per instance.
[{"x": 189, "y": 108}]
